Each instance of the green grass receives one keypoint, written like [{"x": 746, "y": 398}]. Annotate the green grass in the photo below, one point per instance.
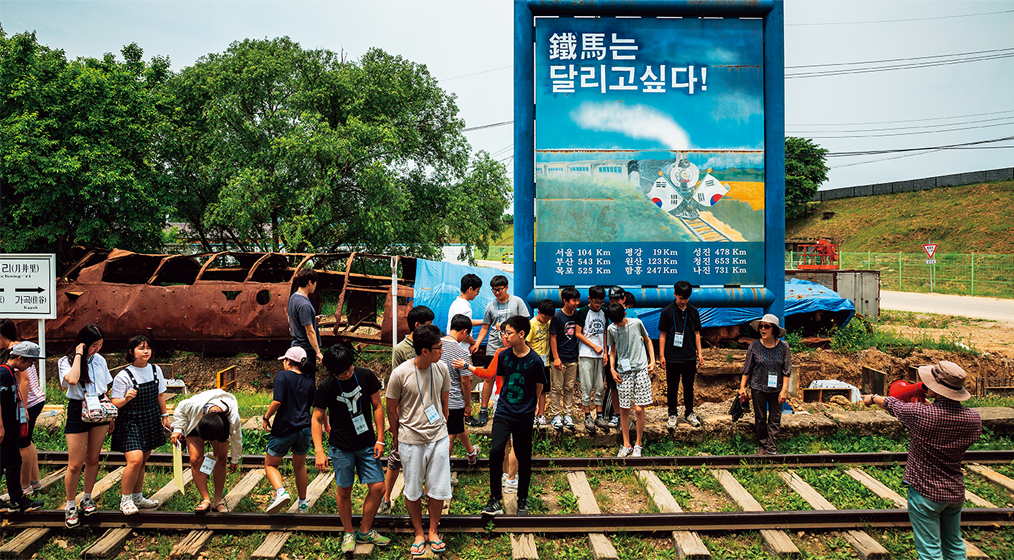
[
  {"x": 843, "y": 491},
  {"x": 770, "y": 490}
]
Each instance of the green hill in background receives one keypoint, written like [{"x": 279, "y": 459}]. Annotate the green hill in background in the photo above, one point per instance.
[{"x": 975, "y": 218}]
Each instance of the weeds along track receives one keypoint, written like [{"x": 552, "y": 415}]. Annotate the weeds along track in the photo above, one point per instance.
[{"x": 844, "y": 495}]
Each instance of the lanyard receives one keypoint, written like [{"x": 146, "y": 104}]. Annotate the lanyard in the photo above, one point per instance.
[
  {"x": 770, "y": 354},
  {"x": 433, "y": 399},
  {"x": 685, "y": 313}
]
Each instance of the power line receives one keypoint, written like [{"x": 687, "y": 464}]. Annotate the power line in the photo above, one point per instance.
[
  {"x": 899, "y": 59},
  {"x": 897, "y": 20},
  {"x": 901, "y": 127},
  {"x": 910, "y": 133},
  {"x": 477, "y": 73},
  {"x": 907, "y": 66},
  {"x": 906, "y": 120},
  {"x": 902, "y": 150},
  {"x": 494, "y": 125}
]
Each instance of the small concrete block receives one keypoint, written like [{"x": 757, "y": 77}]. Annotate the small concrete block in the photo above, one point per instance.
[
  {"x": 1006, "y": 174},
  {"x": 949, "y": 180}
]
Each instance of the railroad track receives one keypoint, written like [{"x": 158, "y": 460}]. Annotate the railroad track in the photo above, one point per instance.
[
  {"x": 684, "y": 527},
  {"x": 703, "y": 230}
]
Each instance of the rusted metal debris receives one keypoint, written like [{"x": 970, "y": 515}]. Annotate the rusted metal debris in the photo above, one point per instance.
[{"x": 223, "y": 302}]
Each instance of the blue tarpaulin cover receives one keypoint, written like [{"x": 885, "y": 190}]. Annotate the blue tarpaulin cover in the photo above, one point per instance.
[{"x": 438, "y": 283}]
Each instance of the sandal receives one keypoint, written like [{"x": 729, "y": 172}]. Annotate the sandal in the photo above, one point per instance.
[
  {"x": 202, "y": 507},
  {"x": 418, "y": 549},
  {"x": 437, "y": 546},
  {"x": 220, "y": 507}
]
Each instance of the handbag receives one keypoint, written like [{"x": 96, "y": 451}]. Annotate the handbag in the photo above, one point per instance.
[
  {"x": 106, "y": 412},
  {"x": 23, "y": 427},
  {"x": 738, "y": 407}
]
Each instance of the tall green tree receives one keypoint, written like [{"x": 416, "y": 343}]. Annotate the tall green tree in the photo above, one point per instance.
[
  {"x": 76, "y": 137},
  {"x": 276, "y": 146},
  {"x": 805, "y": 170}
]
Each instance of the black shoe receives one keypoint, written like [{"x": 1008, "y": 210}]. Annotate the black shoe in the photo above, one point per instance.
[
  {"x": 483, "y": 418},
  {"x": 493, "y": 507},
  {"x": 522, "y": 506},
  {"x": 5, "y": 506},
  {"x": 469, "y": 421},
  {"x": 24, "y": 505}
]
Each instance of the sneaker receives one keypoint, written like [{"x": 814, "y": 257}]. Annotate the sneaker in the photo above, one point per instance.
[
  {"x": 27, "y": 490},
  {"x": 88, "y": 506},
  {"x": 636, "y": 452},
  {"x": 483, "y": 418},
  {"x": 522, "y": 506},
  {"x": 673, "y": 421},
  {"x": 349, "y": 543},
  {"x": 128, "y": 507},
  {"x": 24, "y": 505},
  {"x": 282, "y": 501},
  {"x": 694, "y": 420},
  {"x": 474, "y": 455},
  {"x": 469, "y": 421},
  {"x": 542, "y": 421},
  {"x": 601, "y": 422},
  {"x": 569, "y": 422},
  {"x": 70, "y": 517},
  {"x": 493, "y": 507},
  {"x": 624, "y": 451},
  {"x": 373, "y": 537},
  {"x": 5, "y": 506},
  {"x": 614, "y": 421},
  {"x": 589, "y": 424},
  {"x": 146, "y": 503},
  {"x": 510, "y": 486},
  {"x": 303, "y": 508},
  {"x": 558, "y": 422},
  {"x": 385, "y": 507}
]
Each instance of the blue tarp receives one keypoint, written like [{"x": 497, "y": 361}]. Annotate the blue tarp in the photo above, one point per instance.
[{"x": 438, "y": 283}]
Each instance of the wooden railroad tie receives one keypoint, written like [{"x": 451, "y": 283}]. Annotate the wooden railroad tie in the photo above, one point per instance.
[
  {"x": 24, "y": 544},
  {"x": 522, "y": 545},
  {"x": 777, "y": 541},
  {"x": 865, "y": 545},
  {"x": 602, "y": 548},
  {"x": 45, "y": 483},
  {"x": 275, "y": 540},
  {"x": 195, "y": 541},
  {"x": 688, "y": 543},
  {"x": 103, "y": 485},
  {"x": 886, "y": 493}
]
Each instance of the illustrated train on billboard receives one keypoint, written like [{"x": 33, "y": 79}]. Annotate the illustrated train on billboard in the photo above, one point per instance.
[{"x": 678, "y": 190}]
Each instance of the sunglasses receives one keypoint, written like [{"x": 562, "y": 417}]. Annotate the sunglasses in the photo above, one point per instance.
[{"x": 765, "y": 326}]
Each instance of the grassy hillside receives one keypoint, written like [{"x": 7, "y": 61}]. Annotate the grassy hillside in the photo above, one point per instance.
[{"x": 969, "y": 219}]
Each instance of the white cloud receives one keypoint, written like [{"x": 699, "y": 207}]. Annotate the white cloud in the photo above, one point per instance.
[
  {"x": 635, "y": 121},
  {"x": 737, "y": 106},
  {"x": 740, "y": 161}
]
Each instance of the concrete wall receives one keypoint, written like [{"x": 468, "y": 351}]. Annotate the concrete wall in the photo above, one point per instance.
[{"x": 912, "y": 185}]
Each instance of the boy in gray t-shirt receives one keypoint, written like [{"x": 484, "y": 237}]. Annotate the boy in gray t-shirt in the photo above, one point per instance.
[
  {"x": 627, "y": 340},
  {"x": 503, "y": 307}
]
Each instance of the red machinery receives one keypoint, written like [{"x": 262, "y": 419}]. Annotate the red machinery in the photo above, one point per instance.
[
  {"x": 908, "y": 392},
  {"x": 822, "y": 255}
]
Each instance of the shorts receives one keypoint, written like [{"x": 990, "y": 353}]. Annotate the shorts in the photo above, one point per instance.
[
  {"x": 428, "y": 463},
  {"x": 456, "y": 421},
  {"x": 347, "y": 463},
  {"x": 75, "y": 425},
  {"x": 394, "y": 458},
  {"x": 299, "y": 442},
  {"x": 635, "y": 388},
  {"x": 33, "y": 414},
  {"x": 549, "y": 378}
]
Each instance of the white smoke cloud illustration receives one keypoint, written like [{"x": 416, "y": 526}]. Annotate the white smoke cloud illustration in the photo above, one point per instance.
[{"x": 635, "y": 121}]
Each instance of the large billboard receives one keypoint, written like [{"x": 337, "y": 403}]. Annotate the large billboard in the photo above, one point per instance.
[{"x": 649, "y": 151}]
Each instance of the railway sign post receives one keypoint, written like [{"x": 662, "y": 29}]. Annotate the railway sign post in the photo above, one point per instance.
[
  {"x": 659, "y": 153},
  {"x": 28, "y": 291}
]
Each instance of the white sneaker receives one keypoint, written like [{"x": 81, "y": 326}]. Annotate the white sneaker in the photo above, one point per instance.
[
  {"x": 542, "y": 420},
  {"x": 636, "y": 452},
  {"x": 673, "y": 420},
  {"x": 510, "y": 486},
  {"x": 569, "y": 422},
  {"x": 624, "y": 451},
  {"x": 146, "y": 503},
  {"x": 280, "y": 502},
  {"x": 558, "y": 422},
  {"x": 128, "y": 507}
]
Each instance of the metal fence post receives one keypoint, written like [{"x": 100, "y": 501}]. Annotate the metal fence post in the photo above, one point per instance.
[
  {"x": 973, "y": 274},
  {"x": 899, "y": 271}
]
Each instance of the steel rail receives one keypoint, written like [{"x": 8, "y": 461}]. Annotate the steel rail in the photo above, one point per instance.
[
  {"x": 564, "y": 463},
  {"x": 608, "y": 523}
]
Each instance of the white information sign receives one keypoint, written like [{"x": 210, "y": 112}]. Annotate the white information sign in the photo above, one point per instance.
[{"x": 28, "y": 286}]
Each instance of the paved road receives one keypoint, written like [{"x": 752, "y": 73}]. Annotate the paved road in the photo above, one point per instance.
[{"x": 964, "y": 306}]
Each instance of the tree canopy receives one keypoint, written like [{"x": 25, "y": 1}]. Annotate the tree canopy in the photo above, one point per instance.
[
  {"x": 266, "y": 146},
  {"x": 805, "y": 170}
]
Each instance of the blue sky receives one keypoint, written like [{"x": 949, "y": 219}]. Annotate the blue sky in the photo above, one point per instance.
[{"x": 725, "y": 111}]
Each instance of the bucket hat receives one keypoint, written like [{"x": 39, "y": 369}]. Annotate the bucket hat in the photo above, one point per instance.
[
  {"x": 770, "y": 319},
  {"x": 946, "y": 379}
]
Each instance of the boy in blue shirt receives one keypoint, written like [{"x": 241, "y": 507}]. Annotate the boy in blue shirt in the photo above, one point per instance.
[{"x": 293, "y": 396}]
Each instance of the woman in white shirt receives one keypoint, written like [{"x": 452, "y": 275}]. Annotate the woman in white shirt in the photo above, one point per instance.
[
  {"x": 83, "y": 373},
  {"x": 210, "y": 417}
]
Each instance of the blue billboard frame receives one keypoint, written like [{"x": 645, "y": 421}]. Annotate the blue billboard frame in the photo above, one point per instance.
[{"x": 772, "y": 295}]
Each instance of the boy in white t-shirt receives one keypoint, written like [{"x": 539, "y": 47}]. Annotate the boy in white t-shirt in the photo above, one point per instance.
[{"x": 590, "y": 331}]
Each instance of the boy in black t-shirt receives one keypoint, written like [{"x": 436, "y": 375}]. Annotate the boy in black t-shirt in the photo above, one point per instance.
[
  {"x": 12, "y": 411},
  {"x": 563, "y": 343},
  {"x": 679, "y": 343},
  {"x": 524, "y": 377},
  {"x": 349, "y": 400},
  {"x": 292, "y": 398}
]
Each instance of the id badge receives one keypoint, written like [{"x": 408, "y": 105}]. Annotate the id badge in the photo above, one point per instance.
[
  {"x": 772, "y": 379},
  {"x": 677, "y": 340},
  {"x": 22, "y": 416},
  {"x": 359, "y": 423},
  {"x": 624, "y": 364},
  {"x": 92, "y": 401},
  {"x": 432, "y": 415},
  {"x": 208, "y": 465}
]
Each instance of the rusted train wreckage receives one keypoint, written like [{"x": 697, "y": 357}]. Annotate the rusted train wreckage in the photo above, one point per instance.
[{"x": 224, "y": 302}]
